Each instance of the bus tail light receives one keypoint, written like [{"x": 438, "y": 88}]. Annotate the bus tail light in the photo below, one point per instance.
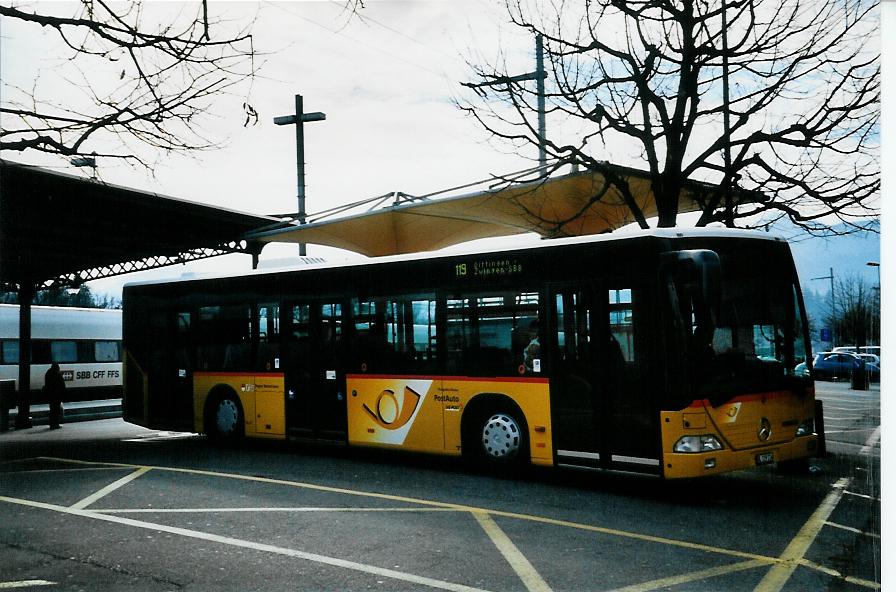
[
  {"x": 691, "y": 444},
  {"x": 806, "y": 428}
]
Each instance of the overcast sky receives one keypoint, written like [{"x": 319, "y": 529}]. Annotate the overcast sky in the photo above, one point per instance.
[{"x": 385, "y": 79}]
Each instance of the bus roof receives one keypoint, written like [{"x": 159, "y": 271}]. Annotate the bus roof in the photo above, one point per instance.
[{"x": 669, "y": 233}]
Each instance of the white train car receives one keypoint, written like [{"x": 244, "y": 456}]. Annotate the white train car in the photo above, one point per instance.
[{"x": 86, "y": 342}]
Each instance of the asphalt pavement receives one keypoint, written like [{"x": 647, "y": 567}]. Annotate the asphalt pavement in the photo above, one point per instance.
[{"x": 105, "y": 505}]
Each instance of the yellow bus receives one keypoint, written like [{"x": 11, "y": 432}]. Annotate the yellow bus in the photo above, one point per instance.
[{"x": 669, "y": 352}]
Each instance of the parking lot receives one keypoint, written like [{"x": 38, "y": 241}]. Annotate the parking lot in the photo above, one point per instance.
[{"x": 105, "y": 506}]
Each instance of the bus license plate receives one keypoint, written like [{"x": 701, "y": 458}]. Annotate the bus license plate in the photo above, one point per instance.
[{"x": 765, "y": 458}]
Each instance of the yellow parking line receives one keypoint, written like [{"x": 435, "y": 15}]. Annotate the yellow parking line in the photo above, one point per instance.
[
  {"x": 459, "y": 507},
  {"x": 266, "y": 509},
  {"x": 25, "y": 584},
  {"x": 109, "y": 489},
  {"x": 778, "y": 575},
  {"x": 314, "y": 557},
  {"x": 523, "y": 568},
  {"x": 872, "y": 440},
  {"x": 406, "y": 499},
  {"x": 694, "y": 576}
]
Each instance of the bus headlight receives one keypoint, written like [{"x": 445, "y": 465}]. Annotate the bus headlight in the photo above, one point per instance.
[
  {"x": 806, "y": 428},
  {"x": 697, "y": 444}
]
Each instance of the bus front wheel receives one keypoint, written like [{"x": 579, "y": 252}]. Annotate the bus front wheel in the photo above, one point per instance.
[{"x": 224, "y": 418}]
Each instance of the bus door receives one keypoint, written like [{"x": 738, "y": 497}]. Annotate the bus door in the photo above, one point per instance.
[
  {"x": 314, "y": 370},
  {"x": 577, "y": 396},
  {"x": 182, "y": 352},
  {"x": 634, "y": 422},
  {"x": 170, "y": 369},
  {"x": 602, "y": 415}
]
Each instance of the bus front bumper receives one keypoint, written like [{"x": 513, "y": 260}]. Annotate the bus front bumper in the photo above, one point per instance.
[{"x": 680, "y": 466}]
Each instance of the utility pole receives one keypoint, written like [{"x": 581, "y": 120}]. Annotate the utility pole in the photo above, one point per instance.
[
  {"x": 539, "y": 88},
  {"x": 726, "y": 118},
  {"x": 299, "y": 120},
  {"x": 830, "y": 276},
  {"x": 538, "y": 76},
  {"x": 877, "y": 301}
]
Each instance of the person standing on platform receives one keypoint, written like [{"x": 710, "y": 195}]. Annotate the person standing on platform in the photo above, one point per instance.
[{"x": 54, "y": 389}]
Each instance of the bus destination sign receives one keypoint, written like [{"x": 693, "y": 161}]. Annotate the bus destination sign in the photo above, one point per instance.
[{"x": 488, "y": 268}]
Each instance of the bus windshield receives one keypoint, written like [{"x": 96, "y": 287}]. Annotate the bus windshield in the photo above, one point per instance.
[{"x": 749, "y": 340}]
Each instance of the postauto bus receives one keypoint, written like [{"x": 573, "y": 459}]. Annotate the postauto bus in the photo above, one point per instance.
[{"x": 666, "y": 352}]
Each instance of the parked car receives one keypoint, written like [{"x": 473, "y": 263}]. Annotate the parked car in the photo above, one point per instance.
[
  {"x": 840, "y": 365},
  {"x": 870, "y": 359},
  {"x": 865, "y": 349},
  {"x": 871, "y": 349}
]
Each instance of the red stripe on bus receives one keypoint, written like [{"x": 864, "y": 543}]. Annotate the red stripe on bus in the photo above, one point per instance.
[
  {"x": 700, "y": 404},
  {"x": 275, "y": 374},
  {"x": 527, "y": 379}
]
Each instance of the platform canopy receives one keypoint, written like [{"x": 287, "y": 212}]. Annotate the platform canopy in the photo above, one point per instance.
[
  {"x": 570, "y": 205},
  {"x": 57, "y": 228}
]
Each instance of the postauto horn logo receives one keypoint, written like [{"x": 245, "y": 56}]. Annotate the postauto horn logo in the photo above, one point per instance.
[{"x": 388, "y": 413}]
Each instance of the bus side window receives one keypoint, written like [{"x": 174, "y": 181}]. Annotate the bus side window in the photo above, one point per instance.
[
  {"x": 268, "y": 337},
  {"x": 621, "y": 325},
  {"x": 459, "y": 335},
  {"x": 494, "y": 335},
  {"x": 411, "y": 333},
  {"x": 370, "y": 343},
  {"x": 224, "y": 338}
]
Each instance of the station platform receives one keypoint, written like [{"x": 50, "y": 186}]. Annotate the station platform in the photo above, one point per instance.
[{"x": 72, "y": 412}]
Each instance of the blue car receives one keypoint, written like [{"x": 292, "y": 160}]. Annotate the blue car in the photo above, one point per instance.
[{"x": 838, "y": 366}]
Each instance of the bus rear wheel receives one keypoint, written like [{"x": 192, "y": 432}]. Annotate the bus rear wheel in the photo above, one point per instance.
[
  {"x": 502, "y": 438},
  {"x": 497, "y": 438},
  {"x": 224, "y": 418}
]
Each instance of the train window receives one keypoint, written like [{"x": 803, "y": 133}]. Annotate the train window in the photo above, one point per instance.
[
  {"x": 10, "y": 351},
  {"x": 85, "y": 352},
  {"x": 65, "y": 352},
  {"x": 40, "y": 352},
  {"x": 107, "y": 351}
]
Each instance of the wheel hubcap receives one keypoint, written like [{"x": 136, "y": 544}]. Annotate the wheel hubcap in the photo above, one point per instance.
[
  {"x": 227, "y": 416},
  {"x": 501, "y": 437}
]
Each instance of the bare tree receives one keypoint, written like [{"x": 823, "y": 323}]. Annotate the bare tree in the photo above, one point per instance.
[
  {"x": 857, "y": 310},
  {"x": 646, "y": 83},
  {"x": 130, "y": 82}
]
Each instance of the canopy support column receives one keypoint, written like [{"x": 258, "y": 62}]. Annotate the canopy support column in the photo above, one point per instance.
[{"x": 26, "y": 295}]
